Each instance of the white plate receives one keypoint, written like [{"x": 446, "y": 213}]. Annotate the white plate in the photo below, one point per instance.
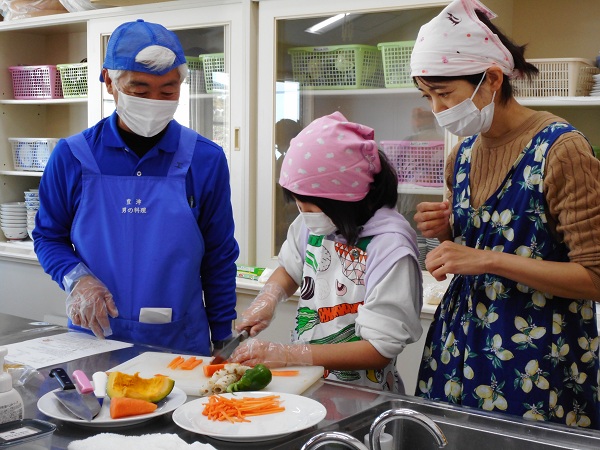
[
  {"x": 50, "y": 406},
  {"x": 300, "y": 413}
]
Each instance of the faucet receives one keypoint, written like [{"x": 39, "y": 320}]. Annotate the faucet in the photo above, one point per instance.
[
  {"x": 404, "y": 413},
  {"x": 332, "y": 437}
]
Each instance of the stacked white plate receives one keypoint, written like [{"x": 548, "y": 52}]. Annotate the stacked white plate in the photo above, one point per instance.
[
  {"x": 596, "y": 87},
  {"x": 32, "y": 203},
  {"x": 13, "y": 220}
]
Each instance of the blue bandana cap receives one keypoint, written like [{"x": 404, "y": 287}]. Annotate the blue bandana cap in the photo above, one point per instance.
[{"x": 132, "y": 37}]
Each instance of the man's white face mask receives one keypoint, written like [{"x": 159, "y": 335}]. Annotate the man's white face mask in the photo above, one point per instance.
[
  {"x": 144, "y": 116},
  {"x": 465, "y": 119}
]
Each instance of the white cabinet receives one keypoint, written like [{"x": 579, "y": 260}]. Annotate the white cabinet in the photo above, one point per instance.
[{"x": 299, "y": 96}]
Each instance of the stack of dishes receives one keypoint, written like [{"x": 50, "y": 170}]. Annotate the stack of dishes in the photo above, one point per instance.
[
  {"x": 13, "y": 220},
  {"x": 32, "y": 203},
  {"x": 595, "y": 92}
]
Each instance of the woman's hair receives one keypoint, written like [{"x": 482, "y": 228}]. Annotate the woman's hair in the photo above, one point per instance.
[
  {"x": 524, "y": 68},
  {"x": 349, "y": 217}
]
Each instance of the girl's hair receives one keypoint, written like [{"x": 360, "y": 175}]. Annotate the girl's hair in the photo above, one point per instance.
[
  {"x": 349, "y": 217},
  {"x": 524, "y": 68}
]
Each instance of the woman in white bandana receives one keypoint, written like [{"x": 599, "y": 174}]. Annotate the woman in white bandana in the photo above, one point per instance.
[{"x": 520, "y": 232}]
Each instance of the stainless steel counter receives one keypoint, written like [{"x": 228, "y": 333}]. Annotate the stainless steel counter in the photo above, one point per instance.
[{"x": 349, "y": 409}]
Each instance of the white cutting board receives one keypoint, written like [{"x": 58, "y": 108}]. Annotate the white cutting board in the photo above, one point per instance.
[{"x": 150, "y": 364}]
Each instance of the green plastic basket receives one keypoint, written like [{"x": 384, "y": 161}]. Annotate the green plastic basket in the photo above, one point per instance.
[
  {"x": 196, "y": 75},
  {"x": 74, "y": 79},
  {"x": 337, "y": 67},
  {"x": 396, "y": 63},
  {"x": 213, "y": 63}
]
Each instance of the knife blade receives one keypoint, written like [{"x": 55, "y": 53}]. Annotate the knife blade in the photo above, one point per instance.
[
  {"x": 87, "y": 392},
  {"x": 224, "y": 353},
  {"x": 69, "y": 397}
]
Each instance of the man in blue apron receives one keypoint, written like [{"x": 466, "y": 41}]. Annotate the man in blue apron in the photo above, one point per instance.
[{"x": 135, "y": 218}]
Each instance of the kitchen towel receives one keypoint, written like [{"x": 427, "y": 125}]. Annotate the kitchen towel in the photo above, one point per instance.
[{"x": 156, "y": 441}]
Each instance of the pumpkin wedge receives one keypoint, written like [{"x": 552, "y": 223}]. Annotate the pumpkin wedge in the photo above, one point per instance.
[{"x": 153, "y": 389}]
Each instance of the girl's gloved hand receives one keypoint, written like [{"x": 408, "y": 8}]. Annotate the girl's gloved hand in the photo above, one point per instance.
[
  {"x": 89, "y": 304},
  {"x": 261, "y": 311},
  {"x": 272, "y": 354}
]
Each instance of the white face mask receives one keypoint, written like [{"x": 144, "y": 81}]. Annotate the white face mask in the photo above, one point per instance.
[
  {"x": 144, "y": 116},
  {"x": 465, "y": 119},
  {"x": 318, "y": 223}
]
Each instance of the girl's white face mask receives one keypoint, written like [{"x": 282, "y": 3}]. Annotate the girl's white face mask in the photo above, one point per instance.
[
  {"x": 144, "y": 116},
  {"x": 465, "y": 119},
  {"x": 318, "y": 223}
]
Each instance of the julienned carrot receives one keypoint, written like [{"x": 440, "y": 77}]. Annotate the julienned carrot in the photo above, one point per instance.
[
  {"x": 285, "y": 373},
  {"x": 237, "y": 409},
  {"x": 190, "y": 363},
  {"x": 176, "y": 362},
  {"x": 125, "y": 407},
  {"x": 210, "y": 369}
]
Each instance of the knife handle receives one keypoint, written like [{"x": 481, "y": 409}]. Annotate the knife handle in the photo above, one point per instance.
[
  {"x": 62, "y": 378},
  {"x": 82, "y": 381}
]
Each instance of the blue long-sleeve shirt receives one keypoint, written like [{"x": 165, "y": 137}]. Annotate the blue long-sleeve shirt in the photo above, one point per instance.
[{"x": 208, "y": 193}]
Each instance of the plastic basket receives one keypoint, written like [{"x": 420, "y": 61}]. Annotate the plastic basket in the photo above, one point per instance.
[
  {"x": 337, "y": 67},
  {"x": 31, "y": 153},
  {"x": 74, "y": 79},
  {"x": 196, "y": 75},
  {"x": 559, "y": 77},
  {"x": 417, "y": 162},
  {"x": 396, "y": 63},
  {"x": 33, "y": 82},
  {"x": 213, "y": 63}
]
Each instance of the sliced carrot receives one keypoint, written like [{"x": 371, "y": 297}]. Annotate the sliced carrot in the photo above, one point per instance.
[
  {"x": 125, "y": 407},
  {"x": 175, "y": 362},
  {"x": 210, "y": 369},
  {"x": 190, "y": 363},
  {"x": 285, "y": 373},
  {"x": 237, "y": 409}
]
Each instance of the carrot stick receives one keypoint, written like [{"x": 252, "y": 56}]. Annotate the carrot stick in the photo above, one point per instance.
[
  {"x": 237, "y": 409},
  {"x": 175, "y": 362},
  {"x": 210, "y": 369},
  {"x": 285, "y": 373}
]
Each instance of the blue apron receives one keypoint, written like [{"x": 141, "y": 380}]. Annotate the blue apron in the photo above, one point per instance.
[
  {"x": 138, "y": 235},
  {"x": 499, "y": 345}
]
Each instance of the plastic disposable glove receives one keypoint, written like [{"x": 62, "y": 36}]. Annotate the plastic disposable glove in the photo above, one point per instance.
[
  {"x": 89, "y": 302},
  {"x": 272, "y": 354},
  {"x": 261, "y": 311}
]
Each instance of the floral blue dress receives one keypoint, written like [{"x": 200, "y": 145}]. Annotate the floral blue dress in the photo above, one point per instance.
[{"x": 499, "y": 345}]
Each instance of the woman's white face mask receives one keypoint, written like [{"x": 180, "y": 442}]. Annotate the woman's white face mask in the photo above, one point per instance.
[
  {"x": 465, "y": 119},
  {"x": 318, "y": 223},
  {"x": 144, "y": 116}
]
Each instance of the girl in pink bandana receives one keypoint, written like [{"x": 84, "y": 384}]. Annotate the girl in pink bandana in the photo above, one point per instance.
[
  {"x": 520, "y": 230},
  {"x": 353, "y": 255}
]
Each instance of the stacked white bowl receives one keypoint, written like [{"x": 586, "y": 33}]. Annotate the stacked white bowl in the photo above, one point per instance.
[
  {"x": 32, "y": 203},
  {"x": 13, "y": 220}
]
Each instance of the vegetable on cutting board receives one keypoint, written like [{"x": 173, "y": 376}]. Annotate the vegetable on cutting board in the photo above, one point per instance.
[
  {"x": 285, "y": 373},
  {"x": 133, "y": 386},
  {"x": 125, "y": 407},
  {"x": 210, "y": 369},
  {"x": 180, "y": 362},
  {"x": 254, "y": 379}
]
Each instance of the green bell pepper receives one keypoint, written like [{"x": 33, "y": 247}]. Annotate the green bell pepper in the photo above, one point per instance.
[{"x": 254, "y": 379}]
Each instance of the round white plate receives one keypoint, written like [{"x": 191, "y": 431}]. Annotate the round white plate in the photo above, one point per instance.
[
  {"x": 300, "y": 413},
  {"x": 50, "y": 406}
]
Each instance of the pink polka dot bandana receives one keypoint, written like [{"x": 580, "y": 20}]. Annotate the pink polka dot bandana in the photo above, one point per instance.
[
  {"x": 331, "y": 158},
  {"x": 457, "y": 43}
]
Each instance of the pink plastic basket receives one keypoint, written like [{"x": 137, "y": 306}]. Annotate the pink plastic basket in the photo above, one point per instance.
[
  {"x": 417, "y": 162},
  {"x": 35, "y": 82}
]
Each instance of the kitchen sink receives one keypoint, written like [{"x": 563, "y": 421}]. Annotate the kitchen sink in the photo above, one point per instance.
[{"x": 465, "y": 429}]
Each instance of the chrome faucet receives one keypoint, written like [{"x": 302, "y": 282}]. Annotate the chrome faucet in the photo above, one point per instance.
[
  {"x": 333, "y": 437},
  {"x": 404, "y": 413}
]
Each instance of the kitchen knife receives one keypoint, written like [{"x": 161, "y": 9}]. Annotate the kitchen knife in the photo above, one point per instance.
[
  {"x": 69, "y": 397},
  {"x": 224, "y": 353},
  {"x": 87, "y": 392}
]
